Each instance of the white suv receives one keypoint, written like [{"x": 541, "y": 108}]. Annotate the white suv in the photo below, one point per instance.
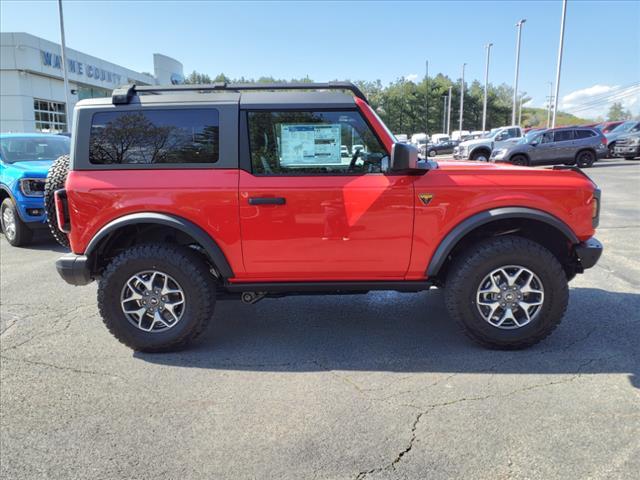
[{"x": 481, "y": 148}]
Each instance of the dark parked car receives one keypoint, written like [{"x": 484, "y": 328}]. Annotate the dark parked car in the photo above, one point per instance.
[
  {"x": 434, "y": 149},
  {"x": 570, "y": 146},
  {"x": 630, "y": 126},
  {"x": 628, "y": 146}
]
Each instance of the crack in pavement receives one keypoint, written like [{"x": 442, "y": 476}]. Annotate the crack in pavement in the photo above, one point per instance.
[
  {"x": 61, "y": 367},
  {"x": 426, "y": 409}
]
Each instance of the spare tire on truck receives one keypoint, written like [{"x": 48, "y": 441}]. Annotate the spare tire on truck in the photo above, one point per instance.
[{"x": 56, "y": 177}]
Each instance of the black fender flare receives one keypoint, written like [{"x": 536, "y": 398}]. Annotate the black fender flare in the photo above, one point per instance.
[
  {"x": 214, "y": 252},
  {"x": 471, "y": 223}
]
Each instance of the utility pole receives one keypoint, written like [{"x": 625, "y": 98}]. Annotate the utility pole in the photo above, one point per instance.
[
  {"x": 64, "y": 67},
  {"x": 444, "y": 114},
  {"x": 449, "y": 113},
  {"x": 559, "y": 66},
  {"x": 486, "y": 86},
  {"x": 461, "y": 99},
  {"x": 550, "y": 97},
  {"x": 426, "y": 96},
  {"x": 515, "y": 86}
]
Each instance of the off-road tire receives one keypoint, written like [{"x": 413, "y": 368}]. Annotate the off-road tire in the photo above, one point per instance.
[
  {"x": 475, "y": 263},
  {"x": 56, "y": 177},
  {"x": 191, "y": 272},
  {"x": 585, "y": 159},
  {"x": 23, "y": 234}
]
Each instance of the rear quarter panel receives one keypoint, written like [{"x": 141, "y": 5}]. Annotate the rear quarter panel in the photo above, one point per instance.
[
  {"x": 463, "y": 190},
  {"x": 206, "y": 197}
]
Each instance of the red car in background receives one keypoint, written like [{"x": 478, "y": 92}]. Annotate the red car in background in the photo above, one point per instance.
[{"x": 606, "y": 127}]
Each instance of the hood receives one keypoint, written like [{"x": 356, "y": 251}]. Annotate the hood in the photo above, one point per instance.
[
  {"x": 35, "y": 167},
  {"x": 477, "y": 141}
]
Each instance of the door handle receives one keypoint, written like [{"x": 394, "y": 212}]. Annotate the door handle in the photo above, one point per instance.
[{"x": 267, "y": 201}]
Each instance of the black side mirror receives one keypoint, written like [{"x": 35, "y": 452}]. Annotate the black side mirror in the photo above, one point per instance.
[{"x": 404, "y": 159}]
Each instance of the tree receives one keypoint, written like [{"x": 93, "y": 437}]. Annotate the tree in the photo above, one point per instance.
[
  {"x": 617, "y": 113},
  {"x": 197, "y": 78}
]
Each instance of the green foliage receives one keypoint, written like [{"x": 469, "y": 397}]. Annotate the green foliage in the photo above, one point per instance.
[
  {"x": 403, "y": 104},
  {"x": 618, "y": 113}
]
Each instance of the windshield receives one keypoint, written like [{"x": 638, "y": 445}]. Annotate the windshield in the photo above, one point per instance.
[
  {"x": 28, "y": 149},
  {"x": 530, "y": 136},
  {"x": 624, "y": 127},
  {"x": 490, "y": 133}
]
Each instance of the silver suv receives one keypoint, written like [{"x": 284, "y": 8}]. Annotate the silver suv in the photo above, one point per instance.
[
  {"x": 481, "y": 148},
  {"x": 570, "y": 146}
]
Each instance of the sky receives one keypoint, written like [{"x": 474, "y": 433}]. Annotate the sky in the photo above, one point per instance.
[{"x": 363, "y": 40}]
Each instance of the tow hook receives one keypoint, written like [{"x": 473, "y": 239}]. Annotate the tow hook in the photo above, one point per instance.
[{"x": 252, "y": 297}]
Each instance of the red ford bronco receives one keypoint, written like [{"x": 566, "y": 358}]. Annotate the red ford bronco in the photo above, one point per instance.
[{"x": 178, "y": 196}]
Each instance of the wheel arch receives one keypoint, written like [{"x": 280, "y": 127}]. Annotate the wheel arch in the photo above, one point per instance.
[
  {"x": 540, "y": 226},
  {"x": 153, "y": 222},
  {"x": 485, "y": 148}
]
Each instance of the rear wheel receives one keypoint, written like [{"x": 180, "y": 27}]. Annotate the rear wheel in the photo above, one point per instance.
[
  {"x": 156, "y": 297},
  {"x": 507, "y": 292},
  {"x": 520, "y": 160},
  {"x": 15, "y": 230},
  {"x": 56, "y": 178},
  {"x": 611, "y": 148},
  {"x": 585, "y": 159}
]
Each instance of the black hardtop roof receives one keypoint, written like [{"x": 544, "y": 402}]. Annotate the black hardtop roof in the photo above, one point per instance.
[{"x": 258, "y": 94}]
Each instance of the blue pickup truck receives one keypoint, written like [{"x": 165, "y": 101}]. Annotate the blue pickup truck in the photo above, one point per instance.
[{"x": 25, "y": 159}]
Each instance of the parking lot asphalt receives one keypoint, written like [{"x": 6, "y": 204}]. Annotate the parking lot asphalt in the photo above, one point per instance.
[{"x": 340, "y": 387}]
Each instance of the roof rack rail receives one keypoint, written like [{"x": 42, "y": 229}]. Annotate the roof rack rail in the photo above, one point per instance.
[{"x": 123, "y": 95}]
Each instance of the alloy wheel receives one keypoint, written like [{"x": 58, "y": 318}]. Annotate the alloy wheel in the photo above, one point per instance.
[
  {"x": 9, "y": 223},
  {"x": 510, "y": 297},
  {"x": 153, "y": 301}
]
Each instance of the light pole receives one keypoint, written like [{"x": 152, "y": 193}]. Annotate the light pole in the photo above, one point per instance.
[
  {"x": 486, "y": 85},
  {"x": 426, "y": 96},
  {"x": 444, "y": 114},
  {"x": 64, "y": 66},
  {"x": 515, "y": 86},
  {"x": 520, "y": 110},
  {"x": 449, "y": 113},
  {"x": 461, "y": 98},
  {"x": 559, "y": 66},
  {"x": 550, "y": 100}
]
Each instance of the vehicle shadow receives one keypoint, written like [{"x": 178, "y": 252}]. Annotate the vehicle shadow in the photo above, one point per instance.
[{"x": 387, "y": 331}]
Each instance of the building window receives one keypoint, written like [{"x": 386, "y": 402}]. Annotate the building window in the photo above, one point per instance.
[{"x": 50, "y": 116}]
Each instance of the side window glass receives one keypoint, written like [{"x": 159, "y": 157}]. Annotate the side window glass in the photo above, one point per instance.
[
  {"x": 172, "y": 136},
  {"x": 513, "y": 133},
  {"x": 307, "y": 143},
  {"x": 547, "y": 137},
  {"x": 563, "y": 135}
]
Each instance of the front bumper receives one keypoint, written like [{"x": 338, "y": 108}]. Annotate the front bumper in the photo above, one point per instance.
[
  {"x": 625, "y": 151},
  {"x": 74, "y": 269},
  {"x": 588, "y": 253}
]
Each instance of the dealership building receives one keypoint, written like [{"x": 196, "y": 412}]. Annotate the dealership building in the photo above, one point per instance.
[{"x": 32, "y": 97}]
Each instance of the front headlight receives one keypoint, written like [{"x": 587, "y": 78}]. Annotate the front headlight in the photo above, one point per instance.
[
  {"x": 499, "y": 154},
  {"x": 634, "y": 142},
  {"x": 32, "y": 187}
]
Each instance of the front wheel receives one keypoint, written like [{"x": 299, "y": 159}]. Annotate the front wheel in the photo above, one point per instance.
[
  {"x": 520, "y": 160},
  {"x": 508, "y": 293},
  {"x": 15, "y": 230},
  {"x": 480, "y": 156},
  {"x": 156, "y": 297},
  {"x": 432, "y": 153}
]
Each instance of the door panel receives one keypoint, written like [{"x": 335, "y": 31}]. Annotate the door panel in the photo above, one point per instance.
[{"x": 327, "y": 227}]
